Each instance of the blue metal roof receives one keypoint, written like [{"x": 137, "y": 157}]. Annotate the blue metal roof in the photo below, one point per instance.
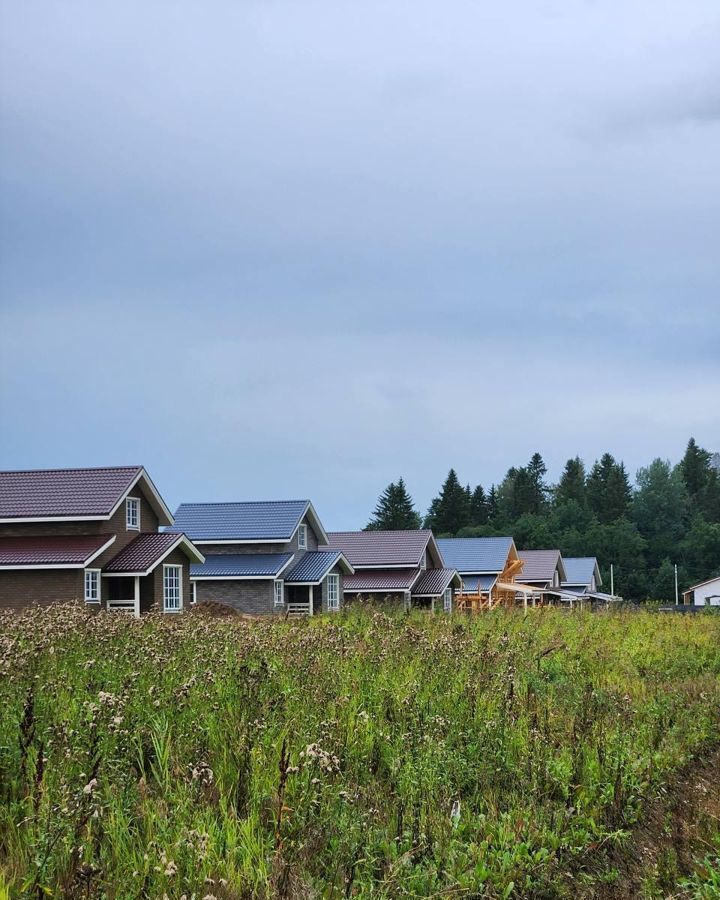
[
  {"x": 475, "y": 555},
  {"x": 241, "y": 565},
  {"x": 579, "y": 569},
  {"x": 312, "y": 567},
  {"x": 255, "y": 521},
  {"x": 475, "y": 584}
]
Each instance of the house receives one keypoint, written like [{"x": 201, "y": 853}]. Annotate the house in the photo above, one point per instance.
[
  {"x": 582, "y": 577},
  {"x": 92, "y": 535},
  {"x": 543, "y": 570},
  {"x": 403, "y": 566},
  {"x": 264, "y": 557},
  {"x": 489, "y": 568},
  {"x": 706, "y": 593}
]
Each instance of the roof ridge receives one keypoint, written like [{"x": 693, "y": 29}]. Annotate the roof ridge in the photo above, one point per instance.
[
  {"x": 238, "y": 502},
  {"x": 77, "y": 469}
]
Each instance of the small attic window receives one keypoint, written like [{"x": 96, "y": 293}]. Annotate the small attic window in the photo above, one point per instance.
[
  {"x": 302, "y": 537},
  {"x": 132, "y": 514}
]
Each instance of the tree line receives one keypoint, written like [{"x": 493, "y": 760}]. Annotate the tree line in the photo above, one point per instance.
[{"x": 669, "y": 516}]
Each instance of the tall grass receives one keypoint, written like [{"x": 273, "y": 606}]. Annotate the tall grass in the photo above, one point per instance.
[{"x": 360, "y": 755}]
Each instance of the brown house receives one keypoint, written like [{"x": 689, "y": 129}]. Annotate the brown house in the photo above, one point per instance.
[
  {"x": 400, "y": 566},
  {"x": 90, "y": 535}
]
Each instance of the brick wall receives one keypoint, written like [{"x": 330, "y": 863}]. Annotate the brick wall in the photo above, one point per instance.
[
  {"x": 25, "y": 587},
  {"x": 251, "y": 597}
]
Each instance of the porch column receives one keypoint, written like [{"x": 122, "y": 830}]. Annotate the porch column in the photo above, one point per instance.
[
  {"x": 524, "y": 600},
  {"x": 310, "y": 600},
  {"x": 137, "y": 596}
]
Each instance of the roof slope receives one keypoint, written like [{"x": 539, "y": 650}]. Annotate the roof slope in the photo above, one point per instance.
[
  {"x": 580, "y": 569},
  {"x": 66, "y": 551},
  {"x": 382, "y": 549},
  {"x": 146, "y": 551},
  {"x": 242, "y": 565},
  {"x": 263, "y": 520},
  {"x": 476, "y": 555},
  {"x": 478, "y": 584},
  {"x": 61, "y": 493},
  {"x": 540, "y": 565},
  {"x": 434, "y": 582},
  {"x": 312, "y": 567},
  {"x": 380, "y": 581}
]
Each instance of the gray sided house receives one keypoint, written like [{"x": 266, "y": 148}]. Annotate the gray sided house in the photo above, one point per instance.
[
  {"x": 264, "y": 557},
  {"x": 582, "y": 577},
  {"x": 90, "y": 535},
  {"x": 544, "y": 570},
  {"x": 400, "y": 566}
]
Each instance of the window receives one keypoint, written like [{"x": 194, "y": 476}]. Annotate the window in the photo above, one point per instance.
[
  {"x": 193, "y": 592},
  {"x": 172, "y": 588},
  {"x": 92, "y": 585},
  {"x": 333, "y": 592},
  {"x": 447, "y": 600},
  {"x": 279, "y": 593},
  {"x": 132, "y": 514},
  {"x": 302, "y": 537}
]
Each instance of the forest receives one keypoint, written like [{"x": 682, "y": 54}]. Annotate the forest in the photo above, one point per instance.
[{"x": 669, "y": 515}]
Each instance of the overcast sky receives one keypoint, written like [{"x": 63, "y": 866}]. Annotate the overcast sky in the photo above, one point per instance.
[{"x": 297, "y": 249}]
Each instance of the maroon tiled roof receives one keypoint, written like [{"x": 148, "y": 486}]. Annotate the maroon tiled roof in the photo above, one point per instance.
[
  {"x": 434, "y": 582},
  {"x": 143, "y": 553},
  {"x": 381, "y": 548},
  {"x": 538, "y": 565},
  {"x": 48, "y": 493},
  {"x": 380, "y": 580},
  {"x": 70, "y": 550}
]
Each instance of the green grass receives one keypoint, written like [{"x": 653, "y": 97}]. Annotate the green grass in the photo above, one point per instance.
[{"x": 324, "y": 758}]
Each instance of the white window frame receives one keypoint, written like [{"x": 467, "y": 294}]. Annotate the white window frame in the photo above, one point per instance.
[
  {"x": 166, "y": 572},
  {"x": 129, "y": 526},
  {"x": 333, "y": 592},
  {"x": 447, "y": 600},
  {"x": 278, "y": 592},
  {"x": 95, "y": 586},
  {"x": 302, "y": 537},
  {"x": 193, "y": 593}
]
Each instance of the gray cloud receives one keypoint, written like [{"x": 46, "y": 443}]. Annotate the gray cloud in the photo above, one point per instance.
[{"x": 305, "y": 247}]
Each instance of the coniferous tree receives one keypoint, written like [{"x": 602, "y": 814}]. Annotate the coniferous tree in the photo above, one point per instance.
[
  {"x": 478, "y": 507},
  {"x": 608, "y": 489},
  {"x": 659, "y": 510},
  {"x": 395, "y": 510},
  {"x": 572, "y": 483},
  {"x": 450, "y": 511},
  {"x": 537, "y": 470},
  {"x": 695, "y": 467},
  {"x": 492, "y": 504}
]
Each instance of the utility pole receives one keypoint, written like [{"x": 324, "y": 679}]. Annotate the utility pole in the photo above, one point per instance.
[
  {"x": 676, "y": 587},
  {"x": 612, "y": 581}
]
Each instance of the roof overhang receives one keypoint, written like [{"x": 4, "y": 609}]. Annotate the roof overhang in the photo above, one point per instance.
[
  {"x": 74, "y": 565},
  {"x": 182, "y": 543},
  {"x": 164, "y": 515}
]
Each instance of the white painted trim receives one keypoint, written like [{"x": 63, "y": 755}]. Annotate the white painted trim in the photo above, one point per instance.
[
  {"x": 98, "y": 573},
  {"x": 302, "y": 529},
  {"x": 138, "y": 502},
  {"x": 361, "y": 568},
  {"x": 276, "y": 582},
  {"x": 12, "y": 521},
  {"x": 234, "y": 577},
  {"x": 180, "y": 588},
  {"x": 336, "y": 601}
]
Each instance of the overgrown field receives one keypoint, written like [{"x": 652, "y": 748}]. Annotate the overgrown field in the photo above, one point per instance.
[{"x": 360, "y": 755}]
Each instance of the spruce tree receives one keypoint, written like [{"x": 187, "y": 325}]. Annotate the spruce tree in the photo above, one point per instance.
[
  {"x": 395, "y": 510},
  {"x": 695, "y": 467},
  {"x": 537, "y": 470},
  {"x": 450, "y": 511},
  {"x": 572, "y": 483},
  {"x": 478, "y": 507}
]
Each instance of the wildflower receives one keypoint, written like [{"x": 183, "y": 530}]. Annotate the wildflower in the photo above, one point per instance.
[{"x": 90, "y": 786}]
